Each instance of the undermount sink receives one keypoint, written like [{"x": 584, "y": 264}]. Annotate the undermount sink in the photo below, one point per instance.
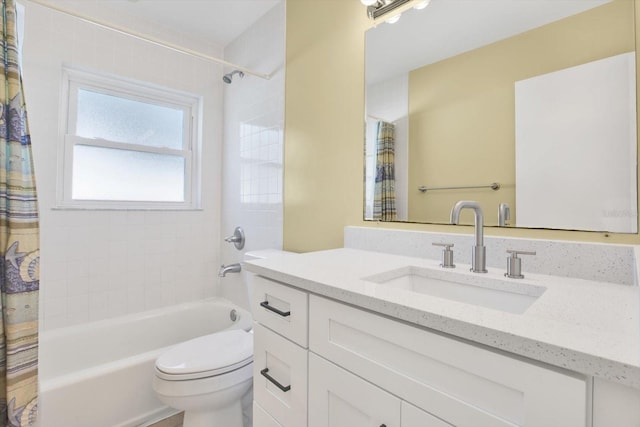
[{"x": 511, "y": 296}]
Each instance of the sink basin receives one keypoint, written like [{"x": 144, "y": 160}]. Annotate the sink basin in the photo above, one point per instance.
[{"x": 512, "y": 296}]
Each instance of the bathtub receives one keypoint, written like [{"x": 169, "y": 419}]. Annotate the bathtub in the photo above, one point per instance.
[{"x": 99, "y": 374}]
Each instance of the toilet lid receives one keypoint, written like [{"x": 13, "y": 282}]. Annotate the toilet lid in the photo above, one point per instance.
[{"x": 212, "y": 354}]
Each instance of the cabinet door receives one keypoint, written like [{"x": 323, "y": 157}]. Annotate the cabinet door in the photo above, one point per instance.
[
  {"x": 414, "y": 417},
  {"x": 338, "y": 398}
]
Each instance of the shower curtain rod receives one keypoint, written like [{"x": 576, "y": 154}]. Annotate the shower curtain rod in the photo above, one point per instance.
[{"x": 152, "y": 40}]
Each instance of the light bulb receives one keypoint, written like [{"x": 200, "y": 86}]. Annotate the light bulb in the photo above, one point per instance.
[
  {"x": 368, "y": 2},
  {"x": 393, "y": 19},
  {"x": 422, "y": 4}
]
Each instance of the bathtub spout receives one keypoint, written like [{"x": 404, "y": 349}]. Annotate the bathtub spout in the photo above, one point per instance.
[{"x": 231, "y": 268}]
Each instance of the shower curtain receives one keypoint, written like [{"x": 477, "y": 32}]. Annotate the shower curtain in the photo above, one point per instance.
[
  {"x": 19, "y": 243},
  {"x": 384, "y": 200}
]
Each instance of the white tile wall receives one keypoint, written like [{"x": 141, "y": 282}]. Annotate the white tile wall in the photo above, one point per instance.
[
  {"x": 100, "y": 264},
  {"x": 253, "y": 145}
]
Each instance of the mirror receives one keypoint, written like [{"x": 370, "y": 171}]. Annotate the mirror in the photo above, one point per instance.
[{"x": 526, "y": 104}]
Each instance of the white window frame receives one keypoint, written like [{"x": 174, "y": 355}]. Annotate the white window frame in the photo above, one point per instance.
[{"x": 75, "y": 80}]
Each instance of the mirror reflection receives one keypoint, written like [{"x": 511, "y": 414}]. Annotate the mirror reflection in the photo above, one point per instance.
[{"x": 527, "y": 107}]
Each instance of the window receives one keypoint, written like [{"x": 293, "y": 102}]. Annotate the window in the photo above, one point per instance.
[{"x": 127, "y": 145}]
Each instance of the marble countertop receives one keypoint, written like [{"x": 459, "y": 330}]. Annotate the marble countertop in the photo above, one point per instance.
[{"x": 584, "y": 326}]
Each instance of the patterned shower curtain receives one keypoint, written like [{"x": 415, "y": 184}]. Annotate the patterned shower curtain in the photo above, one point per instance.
[
  {"x": 19, "y": 243},
  {"x": 384, "y": 200}
]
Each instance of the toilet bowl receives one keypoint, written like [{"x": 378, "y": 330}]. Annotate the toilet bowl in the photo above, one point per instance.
[
  {"x": 209, "y": 377},
  {"x": 206, "y": 378}
]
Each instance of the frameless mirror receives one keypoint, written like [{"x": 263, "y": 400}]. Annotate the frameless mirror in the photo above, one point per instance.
[{"x": 528, "y": 105}]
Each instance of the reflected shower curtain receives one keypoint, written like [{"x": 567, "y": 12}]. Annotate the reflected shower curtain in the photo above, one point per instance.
[
  {"x": 19, "y": 243},
  {"x": 384, "y": 201}
]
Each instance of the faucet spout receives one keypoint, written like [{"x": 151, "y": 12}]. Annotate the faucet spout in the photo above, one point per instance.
[
  {"x": 478, "y": 261},
  {"x": 231, "y": 268}
]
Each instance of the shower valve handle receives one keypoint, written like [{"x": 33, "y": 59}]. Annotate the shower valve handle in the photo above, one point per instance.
[{"x": 237, "y": 238}]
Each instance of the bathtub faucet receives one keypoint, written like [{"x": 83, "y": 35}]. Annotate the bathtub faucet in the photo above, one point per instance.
[{"x": 231, "y": 268}]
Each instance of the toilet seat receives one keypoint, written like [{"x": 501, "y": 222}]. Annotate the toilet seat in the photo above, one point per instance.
[{"x": 206, "y": 356}]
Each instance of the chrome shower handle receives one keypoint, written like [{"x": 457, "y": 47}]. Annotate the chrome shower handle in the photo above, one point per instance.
[{"x": 237, "y": 238}]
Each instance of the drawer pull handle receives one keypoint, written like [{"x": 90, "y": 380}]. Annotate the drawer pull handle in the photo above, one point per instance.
[
  {"x": 266, "y": 305},
  {"x": 265, "y": 374}
]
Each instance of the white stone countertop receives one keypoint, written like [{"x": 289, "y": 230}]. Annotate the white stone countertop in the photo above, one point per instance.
[{"x": 584, "y": 326}]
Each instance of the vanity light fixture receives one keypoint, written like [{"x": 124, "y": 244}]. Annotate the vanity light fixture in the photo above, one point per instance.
[{"x": 377, "y": 8}]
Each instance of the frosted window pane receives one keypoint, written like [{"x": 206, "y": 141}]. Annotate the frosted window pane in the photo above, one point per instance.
[
  {"x": 123, "y": 120},
  {"x": 108, "y": 174}
]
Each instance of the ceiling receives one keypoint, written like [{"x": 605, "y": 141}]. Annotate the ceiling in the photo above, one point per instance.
[
  {"x": 217, "y": 22},
  {"x": 450, "y": 27}
]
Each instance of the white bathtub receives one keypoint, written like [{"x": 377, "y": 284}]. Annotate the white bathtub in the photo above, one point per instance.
[{"x": 99, "y": 374}]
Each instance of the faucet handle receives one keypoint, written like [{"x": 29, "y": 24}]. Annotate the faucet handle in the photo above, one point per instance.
[
  {"x": 237, "y": 238},
  {"x": 514, "y": 264},
  {"x": 447, "y": 255}
]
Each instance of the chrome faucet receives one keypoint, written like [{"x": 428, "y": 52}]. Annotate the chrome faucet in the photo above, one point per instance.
[
  {"x": 231, "y": 268},
  {"x": 478, "y": 261}
]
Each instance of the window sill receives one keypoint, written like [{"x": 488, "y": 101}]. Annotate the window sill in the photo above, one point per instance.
[{"x": 126, "y": 208}]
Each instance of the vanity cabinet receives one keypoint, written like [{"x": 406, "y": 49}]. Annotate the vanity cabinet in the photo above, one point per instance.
[
  {"x": 335, "y": 365},
  {"x": 461, "y": 384}
]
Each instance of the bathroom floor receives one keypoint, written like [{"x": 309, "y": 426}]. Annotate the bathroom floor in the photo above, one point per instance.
[{"x": 174, "y": 421}]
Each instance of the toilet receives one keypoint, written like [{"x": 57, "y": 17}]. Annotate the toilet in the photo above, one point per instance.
[{"x": 207, "y": 377}]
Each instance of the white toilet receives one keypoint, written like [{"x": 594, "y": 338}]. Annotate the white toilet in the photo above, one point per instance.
[{"x": 206, "y": 378}]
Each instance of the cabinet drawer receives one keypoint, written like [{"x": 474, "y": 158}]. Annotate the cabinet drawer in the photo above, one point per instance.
[
  {"x": 282, "y": 309},
  {"x": 280, "y": 377},
  {"x": 465, "y": 385},
  {"x": 262, "y": 419}
]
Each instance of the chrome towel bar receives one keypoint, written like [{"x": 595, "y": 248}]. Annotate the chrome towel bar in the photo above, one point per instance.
[{"x": 494, "y": 186}]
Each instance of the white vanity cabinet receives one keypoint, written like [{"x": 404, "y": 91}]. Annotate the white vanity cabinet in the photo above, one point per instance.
[
  {"x": 343, "y": 366},
  {"x": 457, "y": 383}
]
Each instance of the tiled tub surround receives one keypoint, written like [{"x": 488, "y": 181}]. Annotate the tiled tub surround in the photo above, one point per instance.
[
  {"x": 253, "y": 146},
  {"x": 99, "y": 264},
  {"x": 590, "y": 261},
  {"x": 590, "y": 327}
]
